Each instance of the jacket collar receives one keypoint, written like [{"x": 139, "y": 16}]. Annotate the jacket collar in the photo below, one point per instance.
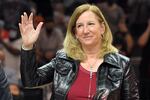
[
  {"x": 114, "y": 59},
  {"x": 61, "y": 54},
  {"x": 110, "y": 58}
]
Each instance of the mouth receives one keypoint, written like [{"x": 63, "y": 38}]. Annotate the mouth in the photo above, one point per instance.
[{"x": 87, "y": 37}]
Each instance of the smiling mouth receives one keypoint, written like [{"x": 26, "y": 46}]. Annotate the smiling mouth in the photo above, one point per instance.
[{"x": 87, "y": 37}]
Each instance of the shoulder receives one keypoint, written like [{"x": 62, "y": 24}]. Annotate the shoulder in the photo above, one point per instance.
[
  {"x": 116, "y": 59},
  {"x": 61, "y": 54},
  {"x": 116, "y": 56}
]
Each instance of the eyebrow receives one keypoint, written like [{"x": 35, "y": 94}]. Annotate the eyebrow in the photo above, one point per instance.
[
  {"x": 81, "y": 23},
  {"x": 78, "y": 24}
]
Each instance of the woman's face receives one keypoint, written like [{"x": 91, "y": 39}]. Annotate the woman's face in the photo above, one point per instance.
[{"x": 88, "y": 29}]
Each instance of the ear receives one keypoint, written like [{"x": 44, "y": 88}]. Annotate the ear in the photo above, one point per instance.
[{"x": 102, "y": 28}]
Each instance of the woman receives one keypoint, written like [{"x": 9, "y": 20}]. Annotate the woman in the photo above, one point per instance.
[{"x": 87, "y": 68}]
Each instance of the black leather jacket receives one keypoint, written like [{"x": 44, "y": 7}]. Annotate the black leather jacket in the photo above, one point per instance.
[
  {"x": 115, "y": 77},
  {"x": 4, "y": 88}
]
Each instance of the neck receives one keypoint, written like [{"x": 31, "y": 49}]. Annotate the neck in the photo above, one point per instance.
[
  {"x": 92, "y": 62},
  {"x": 92, "y": 52},
  {"x": 92, "y": 57}
]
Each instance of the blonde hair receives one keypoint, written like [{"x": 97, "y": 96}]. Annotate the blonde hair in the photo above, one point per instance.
[{"x": 73, "y": 48}]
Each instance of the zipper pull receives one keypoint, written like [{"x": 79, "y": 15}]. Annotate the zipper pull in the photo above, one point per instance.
[{"x": 90, "y": 74}]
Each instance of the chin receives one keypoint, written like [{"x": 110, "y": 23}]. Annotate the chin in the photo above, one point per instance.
[{"x": 88, "y": 44}]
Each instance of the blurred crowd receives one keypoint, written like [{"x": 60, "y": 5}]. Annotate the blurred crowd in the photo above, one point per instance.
[{"x": 129, "y": 21}]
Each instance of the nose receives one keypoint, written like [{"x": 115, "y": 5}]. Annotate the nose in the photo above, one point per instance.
[{"x": 85, "y": 30}]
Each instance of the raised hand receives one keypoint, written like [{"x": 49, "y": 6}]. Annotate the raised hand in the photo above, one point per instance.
[{"x": 29, "y": 34}]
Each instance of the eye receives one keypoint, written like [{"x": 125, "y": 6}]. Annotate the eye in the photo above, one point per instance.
[
  {"x": 91, "y": 23},
  {"x": 79, "y": 25}
]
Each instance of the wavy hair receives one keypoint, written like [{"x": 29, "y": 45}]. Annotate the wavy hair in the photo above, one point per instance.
[{"x": 72, "y": 46}]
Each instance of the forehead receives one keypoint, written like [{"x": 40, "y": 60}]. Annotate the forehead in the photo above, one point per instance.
[{"x": 87, "y": 15}]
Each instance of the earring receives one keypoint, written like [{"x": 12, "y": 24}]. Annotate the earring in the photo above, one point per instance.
[{"x": 102, "y": 35}]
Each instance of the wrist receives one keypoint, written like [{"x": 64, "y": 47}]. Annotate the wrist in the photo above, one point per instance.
[{"x": 27, "y": 47}]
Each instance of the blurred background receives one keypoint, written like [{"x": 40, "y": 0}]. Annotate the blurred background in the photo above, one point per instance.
[{"x": 129, "y": 21}]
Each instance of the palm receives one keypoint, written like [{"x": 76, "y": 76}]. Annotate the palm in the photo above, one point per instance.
[{"x": 28, "y": 33}]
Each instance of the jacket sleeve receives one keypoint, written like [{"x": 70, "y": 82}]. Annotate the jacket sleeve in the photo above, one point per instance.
[
  {"x": 4, "y": 88},
  {"x": 130, "y": 84},
  {"x": 31, "y": 75}
]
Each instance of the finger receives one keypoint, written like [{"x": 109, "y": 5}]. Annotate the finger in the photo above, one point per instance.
[
  {"x": 39, "y": 27},
  {"x": 25, "y": 17},
  {"x": 31, "y": 18},
  {"x": 22, "y": 20}
]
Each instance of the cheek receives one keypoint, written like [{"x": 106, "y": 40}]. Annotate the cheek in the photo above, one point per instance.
[
  {"x": 98, "y": 36},
  {"x": 98, "y": 33},
  {"x": 78, "y": 33},
  {"x": 96, "y": 30}
]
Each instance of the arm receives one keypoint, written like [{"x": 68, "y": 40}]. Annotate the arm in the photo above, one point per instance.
[
  {"x": 130, "y": 84},
  {"x": 31, "y": 75},
  {"x": 130, "y": 42},
  {"x": 145, "y": 36}
]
